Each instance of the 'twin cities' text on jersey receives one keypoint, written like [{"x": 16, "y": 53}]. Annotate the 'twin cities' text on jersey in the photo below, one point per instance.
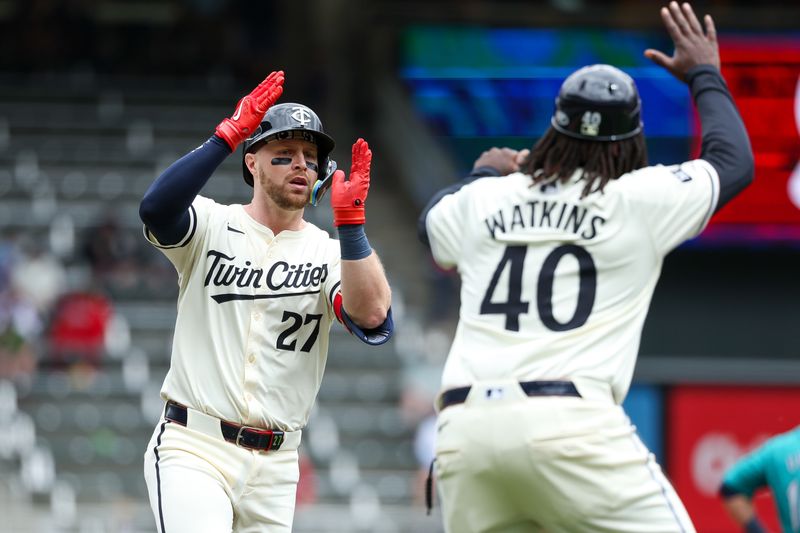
[
  {"x": 224, "y": 272},
  {"x": 547, "y": 214}
]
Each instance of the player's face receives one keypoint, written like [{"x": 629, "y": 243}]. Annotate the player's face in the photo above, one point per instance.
[{"x": 286, "y": 171}]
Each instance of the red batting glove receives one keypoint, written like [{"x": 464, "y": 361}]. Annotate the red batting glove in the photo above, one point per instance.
[
  {"x": 349, "y": 194},
  {"x": 250, "y": 110}
]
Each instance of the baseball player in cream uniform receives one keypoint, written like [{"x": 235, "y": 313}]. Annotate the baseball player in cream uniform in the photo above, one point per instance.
[
  {"x": 259, "y": 290},
  {"x": 559, "y": 251}
]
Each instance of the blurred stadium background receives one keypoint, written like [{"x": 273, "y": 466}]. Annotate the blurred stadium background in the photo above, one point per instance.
[{"x": 97, "y": 97}]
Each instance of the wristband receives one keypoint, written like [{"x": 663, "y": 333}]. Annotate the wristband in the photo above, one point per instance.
[{"x": 353, "y": 242}]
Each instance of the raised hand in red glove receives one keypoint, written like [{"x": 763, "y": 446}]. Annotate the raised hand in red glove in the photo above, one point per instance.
[
  {"x": 349, "y": 194},
  {"x": 250, "y": 110}
]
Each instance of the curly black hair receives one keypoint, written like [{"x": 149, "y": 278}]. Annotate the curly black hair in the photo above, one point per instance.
[{"x": 556, "y": 157}]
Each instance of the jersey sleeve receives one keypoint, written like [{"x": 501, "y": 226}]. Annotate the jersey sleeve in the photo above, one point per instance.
[
  {"x": 673, "y": 203},
  {"x": 180, "y": 254},
  {"x": 444, "y": 225},
  {"x": 747, "y": 474}
]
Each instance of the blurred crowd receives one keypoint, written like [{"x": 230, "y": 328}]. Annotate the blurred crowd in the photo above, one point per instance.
[
  {"x": 20, "y": 319},
  {"x": 175, "y": 37},
  {"x": 59, "y": 312}
]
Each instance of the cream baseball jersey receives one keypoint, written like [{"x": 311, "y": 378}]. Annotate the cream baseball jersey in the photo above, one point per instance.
[
  {"x": 557, "y": 287},
  {"x": 254, "y": 314}
]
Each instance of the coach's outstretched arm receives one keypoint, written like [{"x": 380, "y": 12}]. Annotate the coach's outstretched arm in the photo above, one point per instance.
[
  {"x": 164, "y": 209},
  {"x": 366, "y": 297},
  {"x": 696, "y": 62}
]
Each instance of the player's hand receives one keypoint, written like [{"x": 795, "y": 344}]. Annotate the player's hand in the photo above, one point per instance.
[
  {"x": 504, "y": 160},
  {"x": 692, "y": 46},
  {"x": 349, "y": 194},
  {"x": 250, "y": 110}
]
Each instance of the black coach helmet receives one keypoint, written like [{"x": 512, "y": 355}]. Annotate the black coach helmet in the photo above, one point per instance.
[
  {"x": 598, "y": 103},
  {"x": 280, "y": 122}
]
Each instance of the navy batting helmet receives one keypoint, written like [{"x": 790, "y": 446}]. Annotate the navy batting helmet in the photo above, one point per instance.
[
  {"x": 280, "y": 122},
  {"x": 598, "y": 103}
]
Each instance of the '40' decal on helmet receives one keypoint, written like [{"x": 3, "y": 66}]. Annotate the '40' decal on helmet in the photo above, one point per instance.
[{"x": 590, "y": 123}]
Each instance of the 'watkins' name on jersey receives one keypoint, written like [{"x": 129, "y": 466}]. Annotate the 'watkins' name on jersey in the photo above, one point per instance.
[
  {"x": 224, "y": 273},
  {"x": 552, "y": 215}
]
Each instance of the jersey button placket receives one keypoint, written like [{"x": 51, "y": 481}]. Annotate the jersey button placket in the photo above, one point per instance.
[
  {"x": 255, "y": 318},
  {"x": 253, "y": 373},
  {"x": 250, "y": 372}
]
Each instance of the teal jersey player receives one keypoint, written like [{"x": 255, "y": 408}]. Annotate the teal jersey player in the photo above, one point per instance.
[{"x": 776, "y": 464}]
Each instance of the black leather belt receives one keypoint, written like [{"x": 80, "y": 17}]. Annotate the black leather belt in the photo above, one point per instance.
[
  {"x": 244, "y": 436},
  {"x": 531, "y": 388}
]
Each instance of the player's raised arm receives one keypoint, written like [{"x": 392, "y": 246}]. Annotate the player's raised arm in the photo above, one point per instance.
[
  {"x": 164, "y": 209},
  {"x": 696, "y": 61},
  {"x": 366, "y": 296}
]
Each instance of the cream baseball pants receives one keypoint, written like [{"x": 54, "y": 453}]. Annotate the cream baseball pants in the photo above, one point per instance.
[
  {"x": 199, "y": 483},
  {"x": 507, "y": 462}
]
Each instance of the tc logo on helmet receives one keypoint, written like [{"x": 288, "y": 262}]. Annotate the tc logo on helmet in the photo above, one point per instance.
[{"x": 301, "y": 115}]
